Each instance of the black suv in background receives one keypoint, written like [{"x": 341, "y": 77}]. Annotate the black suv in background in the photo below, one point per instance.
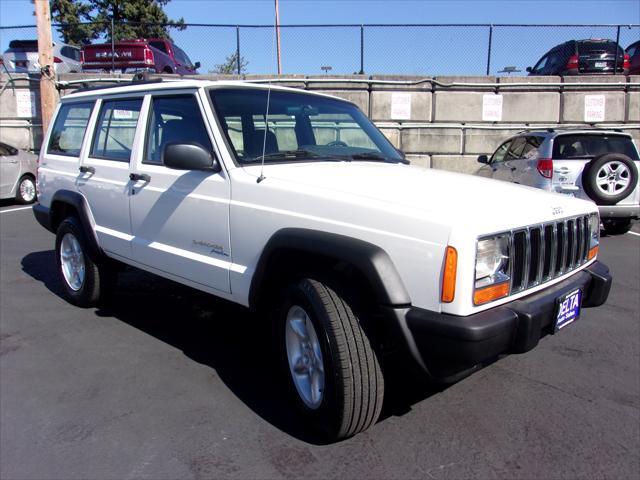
[{"x": 583, "y": 57}]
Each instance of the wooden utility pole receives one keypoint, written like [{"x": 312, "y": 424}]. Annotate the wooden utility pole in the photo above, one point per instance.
[{"x": 48, "y": 93}]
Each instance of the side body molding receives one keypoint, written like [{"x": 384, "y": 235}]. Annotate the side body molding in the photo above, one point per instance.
[{"x": 371, "y": 261}]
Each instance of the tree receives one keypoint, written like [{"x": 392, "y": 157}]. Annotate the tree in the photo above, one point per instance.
[
  {"x": 131, "y": 18},
  {"x": 230, "y": 65}
]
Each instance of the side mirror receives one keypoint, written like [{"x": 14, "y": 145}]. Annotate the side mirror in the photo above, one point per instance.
[
  {"x": 196, "y": 65},
  {"x": 188, "y": 156},
  {"x": 529, "y": 69},
  {"x": 483, "y": 159}
]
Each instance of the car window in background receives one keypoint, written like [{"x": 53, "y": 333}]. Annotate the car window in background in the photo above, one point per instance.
[
  {"x": 499, "y": 154},
  {"x": 71, "y": 52},
  {"x": 589, "y": 146},
  {"x": 175, "y": 119},
  {"x": 591, "y": 48},
  {"x": 68, "y": 129},
  {"x": 516, "y": 149},
  {"x": 115, "y": 129},
  {"x": 159, "y": 45},
  {"x": 4, "y": 152},
  {"x": 540, "y": 66},
  {"x": 531, "y": 146}
]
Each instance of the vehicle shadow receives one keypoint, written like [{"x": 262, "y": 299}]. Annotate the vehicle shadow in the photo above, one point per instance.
[{"x": 224, "y": 336}]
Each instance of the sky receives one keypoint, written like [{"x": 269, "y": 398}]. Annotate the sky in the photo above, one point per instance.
[{"x": 406, "y": 50}]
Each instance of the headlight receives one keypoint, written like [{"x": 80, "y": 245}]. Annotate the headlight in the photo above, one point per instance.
[
  {"x": 594, "y": 235},
  {"x": 492, "y": 261}
]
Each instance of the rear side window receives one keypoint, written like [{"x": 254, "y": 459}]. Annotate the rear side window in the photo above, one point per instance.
[
  {"x": 68, "y": 129},
  {"x": 159, "y": 45},
  {"x": 531, "y": 146},
  {"x": 590, "y": 146},
  {"x": 516, "y": 149},
  {"x": 115, "y": 129},
  {"x": 175, "y": 119}
]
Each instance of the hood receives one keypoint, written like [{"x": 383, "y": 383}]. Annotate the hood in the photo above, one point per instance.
[{"x": 436, "y": 195}]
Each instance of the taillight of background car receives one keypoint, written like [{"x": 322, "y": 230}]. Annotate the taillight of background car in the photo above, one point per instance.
[
  {"x": 572, "y": 62},
  {"x": 545, "y": 167},
  {"x": 148, "y": 56}
]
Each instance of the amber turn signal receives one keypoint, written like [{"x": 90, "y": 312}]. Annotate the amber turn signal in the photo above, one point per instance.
[
  {"x": 593, "y": 252},
  {"x": 488, "y": 294},
  {"x": 449, "y": 276}
]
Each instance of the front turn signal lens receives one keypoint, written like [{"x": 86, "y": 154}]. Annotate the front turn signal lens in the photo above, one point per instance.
[
  {"x": 593, "y": 252},
  {"x": 488, "y": 294},
  {"x": 449, "y": 275}
]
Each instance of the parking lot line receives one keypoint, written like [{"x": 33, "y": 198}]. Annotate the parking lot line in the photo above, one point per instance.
[{"x": 14, "y": 209}]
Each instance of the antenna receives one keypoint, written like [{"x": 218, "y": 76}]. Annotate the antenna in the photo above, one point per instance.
[{"x": 266, "y": 114}]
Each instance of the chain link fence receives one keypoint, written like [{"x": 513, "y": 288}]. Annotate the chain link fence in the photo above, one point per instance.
[{"x": 452, "y": 49}]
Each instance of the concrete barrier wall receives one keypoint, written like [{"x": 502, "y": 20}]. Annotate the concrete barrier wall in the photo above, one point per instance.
[{"x": 442, "y": 123}]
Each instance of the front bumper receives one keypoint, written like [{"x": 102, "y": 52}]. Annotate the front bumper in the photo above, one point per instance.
[{"x": 447, "y": 346}]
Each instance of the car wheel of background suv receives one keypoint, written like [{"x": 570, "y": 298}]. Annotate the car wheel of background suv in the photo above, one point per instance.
[
  {"x": 609, "y": 178},
  {"x": 616, "y": 226},
  {"x": 26, "y": 191}
]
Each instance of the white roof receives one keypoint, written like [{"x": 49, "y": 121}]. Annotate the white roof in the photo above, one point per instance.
[{"x": 181, "y": 84}]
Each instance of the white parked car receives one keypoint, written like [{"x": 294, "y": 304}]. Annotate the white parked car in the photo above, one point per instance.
[
  {"x": 17, "y": 174},
  {"x": 308, "y": 214},
  {"x": 22, "y": 57}
]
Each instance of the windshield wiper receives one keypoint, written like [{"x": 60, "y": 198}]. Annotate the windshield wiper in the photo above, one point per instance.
[
  {"x": 375, "y": 157},
  {"x": 285, "y": 154}
]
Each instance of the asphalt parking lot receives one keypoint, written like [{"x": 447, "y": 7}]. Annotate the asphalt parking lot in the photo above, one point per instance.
[{"x": 166, "y": 382}]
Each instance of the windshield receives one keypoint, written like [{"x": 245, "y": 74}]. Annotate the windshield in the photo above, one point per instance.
[
  {"x": 589, "y": 146},
  {"x": 299, "y": 127}
]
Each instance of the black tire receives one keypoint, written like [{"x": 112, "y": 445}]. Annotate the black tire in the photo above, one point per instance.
[
  {"x": 353, "y": 383},
  {"x": 621, "y": 166},
  {"x": 616, "y": 226},
  {"x": 26, "y": 190},
  {"x": 97, "y": 279}
]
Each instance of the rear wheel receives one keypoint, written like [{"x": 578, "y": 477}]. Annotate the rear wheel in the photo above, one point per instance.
[
  {"x": 26, "y": 190},
  {"x": 616, "y": 226},
  {"x": 334, "y": 373},
  {"x": 610, "y": 178},
  {"x": 84, "y": 281}
]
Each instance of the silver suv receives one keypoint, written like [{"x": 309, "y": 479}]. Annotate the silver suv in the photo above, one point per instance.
[{"x": 601, "y": 166}]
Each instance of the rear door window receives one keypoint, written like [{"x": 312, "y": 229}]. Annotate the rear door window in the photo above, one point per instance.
[
  {"x": 115, "y": 129},
  {"x": 515, "y": 151},
  {"x": 590, "y": 146},
  {"x": 531, "y": 146},
  {"x": 68, "y": 129}
]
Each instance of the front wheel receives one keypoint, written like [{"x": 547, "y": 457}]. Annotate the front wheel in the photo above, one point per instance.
[
  {"x": 84, "y": 281},
  {"x": 335, "y": 376}
]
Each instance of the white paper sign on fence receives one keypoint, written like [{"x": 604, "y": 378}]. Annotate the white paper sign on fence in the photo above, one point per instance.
[
  {"x": 400, "y": 106},
  {"x": 25, "y": 103},
  {"x": 492, "y": 108},
  {"x": 594, "y": 108}
]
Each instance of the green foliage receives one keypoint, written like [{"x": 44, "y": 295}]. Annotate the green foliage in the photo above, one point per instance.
[
  {"x": 131, "y": 18},
  {"x": 230, "y": 65}
]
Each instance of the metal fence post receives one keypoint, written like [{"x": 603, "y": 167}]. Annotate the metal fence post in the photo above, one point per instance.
[
  {"x": 113, "y": 46},
  {"x": 361, "y": 49},
  {"x": 238, "y": 49},
  {"x": 615, "y": 64},
  {"x": 489, "y": 49}
]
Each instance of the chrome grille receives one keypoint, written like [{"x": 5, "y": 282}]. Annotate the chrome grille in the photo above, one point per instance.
[{"x": 540, "y": 253}]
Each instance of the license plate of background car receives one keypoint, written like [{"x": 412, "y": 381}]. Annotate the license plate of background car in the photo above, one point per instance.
[
  {"x": 21, "y": 63},
  {"x": 567, "y": 309},
  {"x": 601, "y": 64}
]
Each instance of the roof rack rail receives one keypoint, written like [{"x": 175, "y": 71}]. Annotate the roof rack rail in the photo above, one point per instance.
[{"x": 134, "y": 81}]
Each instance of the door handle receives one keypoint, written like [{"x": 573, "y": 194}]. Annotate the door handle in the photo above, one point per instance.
[
  {"x": 84, "y": 169},
  {"x": 139, "y": 176}
]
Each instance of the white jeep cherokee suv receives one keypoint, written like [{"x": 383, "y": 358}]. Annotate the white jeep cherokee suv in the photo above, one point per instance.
[{"x": 293, "y": 203}]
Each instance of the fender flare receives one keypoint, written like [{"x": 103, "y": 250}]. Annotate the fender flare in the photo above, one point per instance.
[
  {"x": 79, "y": 203},
  {"x": 372, "y": 261}
]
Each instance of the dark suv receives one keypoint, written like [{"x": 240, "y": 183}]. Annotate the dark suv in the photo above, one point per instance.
[
  {"x": 583, "y": 57},
  {"x": 633, "y": 51}
]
